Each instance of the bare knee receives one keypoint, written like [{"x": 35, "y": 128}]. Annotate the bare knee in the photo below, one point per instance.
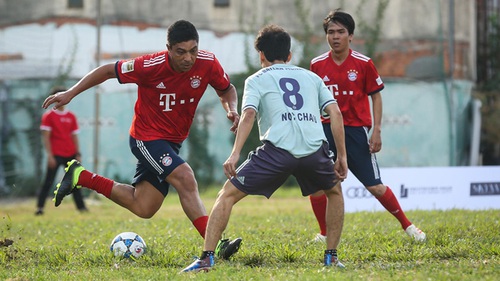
[
  {"x": 144, "y": 210},
  {"x": 183, "y": 180},
  {"x": 146, "y": 200},
  {"x": 145, "y": 214},
  {"x": 230, "y": 194},
  {"x": 334, "y": 191},
  {"x": 377, "y": 190}
]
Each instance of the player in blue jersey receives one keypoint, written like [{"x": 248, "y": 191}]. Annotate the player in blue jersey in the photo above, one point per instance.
[{"x": 287, "y": 101}]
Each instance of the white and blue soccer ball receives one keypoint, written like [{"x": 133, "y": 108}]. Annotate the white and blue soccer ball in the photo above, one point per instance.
[{"x": 128, "y": 245}]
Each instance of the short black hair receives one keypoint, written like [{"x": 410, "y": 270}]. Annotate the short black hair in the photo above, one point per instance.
[
  {"x": 274, "y": 42},
  {"x": 339, "y": 17},
  {"x": 181, "y": 31}
]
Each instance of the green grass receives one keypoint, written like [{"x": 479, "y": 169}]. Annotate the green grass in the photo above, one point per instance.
[{"x": 66, "y": 245}]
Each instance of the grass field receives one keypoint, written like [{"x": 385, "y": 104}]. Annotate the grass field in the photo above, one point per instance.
[{"x": 277, "y": 233}]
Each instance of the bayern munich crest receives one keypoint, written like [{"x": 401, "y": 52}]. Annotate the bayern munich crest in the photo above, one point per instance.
[
  {"x": 352, "y": 75},
  {"x": 166, "y": 160},
  {"x": 195, "y": 81}
]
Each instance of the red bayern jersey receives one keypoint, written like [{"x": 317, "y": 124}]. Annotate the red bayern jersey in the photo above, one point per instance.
[
  {"x": 167, "y": 100},
  {"x": 62, "y": 125},
  {"x": 351, "y": 83}
]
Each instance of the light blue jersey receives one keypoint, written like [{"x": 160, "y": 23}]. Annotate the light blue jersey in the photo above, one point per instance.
[{"x": 289, "y": 101}]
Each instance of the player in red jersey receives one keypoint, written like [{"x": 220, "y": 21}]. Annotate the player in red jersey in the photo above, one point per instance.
[
  {"x": 60, "y": 138},
  {"x": 353, "y": 79},
  {"x": 170, "y": 86}
]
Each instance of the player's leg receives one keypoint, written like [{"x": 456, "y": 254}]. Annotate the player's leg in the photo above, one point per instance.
[
  {"x": 387, "y": 199},
  {"x": 335, "y": 225},
  {"x": 183, "y": 180},
  {"x": 318, "y": 199},
  {"x": 143, "y": 199},
  {"x": 219, "y": 216},
  {"x": 159, "y": 160},
  {"x": 78, "y": 199},
  {"x": 217, "y": 223},
  {"x": 77, "y": 194},
  {"x": 364, "y": 166},
  {"x": 265, "y": 170},
  {"x": 334, "y": 216},
  {"x": 318, "y": 203},
  {"x": 316, "y": 172},
  {"x": 45, "y": 188}
]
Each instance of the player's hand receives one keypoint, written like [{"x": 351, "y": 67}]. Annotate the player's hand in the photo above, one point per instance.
[
  {"x": 375, "y": 142},
  {"x": 58, "y": 99},
  {"x": 340, "y": 168},
  {"x": 230, "y": 165},
  {"x": 234, "y": 117},
  {"x": 51, "y": 162}
]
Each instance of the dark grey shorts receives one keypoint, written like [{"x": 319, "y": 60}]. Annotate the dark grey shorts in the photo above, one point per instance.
[{"x": 268, "y": 167}]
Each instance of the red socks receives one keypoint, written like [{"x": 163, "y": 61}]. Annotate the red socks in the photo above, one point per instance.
[
  {"x": 201, "y": 225},
  {"x": 104, "y": 186},
  {"x": 391, "y": 204},
  {"x": 318, "y": 204},
  {"x": 95, "y": 182},
  {"x": 388, "y": 200}
]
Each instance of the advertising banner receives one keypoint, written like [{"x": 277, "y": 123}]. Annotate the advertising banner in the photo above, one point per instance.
[{"x": 430, "y": 188}]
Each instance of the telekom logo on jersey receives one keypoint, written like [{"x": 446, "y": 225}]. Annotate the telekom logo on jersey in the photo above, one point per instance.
[
  {"x": 168, "y": 100},
  {"x": 335, "y": 90}
]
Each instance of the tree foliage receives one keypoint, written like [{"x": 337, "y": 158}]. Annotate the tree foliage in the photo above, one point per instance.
[
  {"x": 371, "y": 31},
  {"x": 489, "y": 94}
]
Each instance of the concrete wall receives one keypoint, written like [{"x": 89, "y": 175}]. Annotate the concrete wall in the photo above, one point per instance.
[
  {"x": 413, "y": 34},
  {"x": 404, "y": 19}
]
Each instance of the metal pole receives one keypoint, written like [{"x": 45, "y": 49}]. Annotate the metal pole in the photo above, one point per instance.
[
  {"x": 97, "y": 89},
  {"x": 474, "y": 159},
  {"x": 451, "y": 50}
]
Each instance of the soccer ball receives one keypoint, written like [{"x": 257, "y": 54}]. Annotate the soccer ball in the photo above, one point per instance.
[{"x": 128, "y": 245}]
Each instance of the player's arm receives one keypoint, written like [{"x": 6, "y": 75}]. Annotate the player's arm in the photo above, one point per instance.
[
  {"x": 244, "y": 128},
  {"x": 376, "y": 138},
  {"x": 337, "y": 127},
  {"x": 93, "y": 78},
  {"x": 229, "y": 101}
]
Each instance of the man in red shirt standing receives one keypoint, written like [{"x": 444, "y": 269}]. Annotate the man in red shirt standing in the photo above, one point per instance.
[
  {"x": 170, "y": 86},
  {"x": 60, "y": 138},
  {"x": 353, "y": 79}
]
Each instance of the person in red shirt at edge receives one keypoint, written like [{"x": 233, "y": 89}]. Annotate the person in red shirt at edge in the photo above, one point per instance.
[
  {"x": 60, "y": 138},
  {"x": 170, "y": 86},
  {"x": 352, "y": 78}
]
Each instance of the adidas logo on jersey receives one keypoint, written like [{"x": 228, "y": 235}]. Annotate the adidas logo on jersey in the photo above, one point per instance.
[
  {"x": 161, "y": 86},
  {"x": 326, "y": 79}
]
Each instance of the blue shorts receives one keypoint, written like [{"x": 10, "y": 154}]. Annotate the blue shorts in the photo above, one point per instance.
[
  {"x": 268, "y": 167},
  {"x": 155, "y": 161},
  {"x": 361, "y": 162}
]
